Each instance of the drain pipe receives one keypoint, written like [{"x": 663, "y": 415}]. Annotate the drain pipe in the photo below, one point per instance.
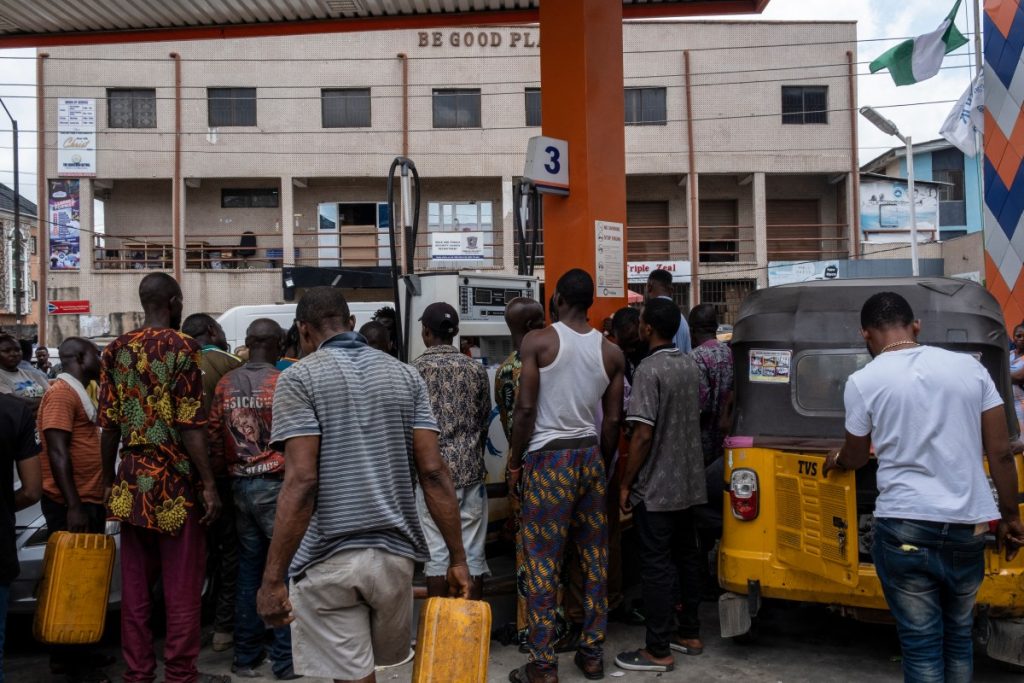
[
  {"x": 176, "y": 180},
  {"x": 405, "y": 103},
  {"x": 854, "y": 165},
  {"x": 692, "y": 187},
  {"x": 43, "y": 196}
]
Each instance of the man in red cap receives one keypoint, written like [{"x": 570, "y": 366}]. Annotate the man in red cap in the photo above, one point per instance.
[{"x": 460, "y": 398}]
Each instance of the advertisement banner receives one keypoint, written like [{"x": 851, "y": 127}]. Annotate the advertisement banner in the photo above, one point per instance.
[
  {"x": 787, "y": 272},
  {"x": 64, "y": 220},
  {"x": 457, "y": 246},
  {"x": 76, "y": 137}
]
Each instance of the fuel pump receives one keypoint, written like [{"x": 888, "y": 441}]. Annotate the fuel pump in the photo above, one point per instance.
[
  {"x": 528, "y": 224},
  {"x": 409, "y": 225}
]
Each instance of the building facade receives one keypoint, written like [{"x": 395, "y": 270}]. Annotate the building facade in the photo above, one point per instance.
[
  {"x": 22, "y": 326},
  {"x": 958, "y": 177},
  {"x": 284, "y": 145}
]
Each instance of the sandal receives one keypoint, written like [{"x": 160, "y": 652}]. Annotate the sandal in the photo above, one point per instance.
[
  {"x": 522, "y": 675},
  {"x": 639, "y": 660},
  {"x": 687, "y": 649}
]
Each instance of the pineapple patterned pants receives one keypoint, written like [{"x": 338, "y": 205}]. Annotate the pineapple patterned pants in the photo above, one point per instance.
[{"x": 563, "y": 499}]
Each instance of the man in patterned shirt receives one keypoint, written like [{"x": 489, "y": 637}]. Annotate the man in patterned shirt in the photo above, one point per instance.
[
  {"x": 714, "y": 360},
  {"x": 460, "y": 398},
  {"x": 151, "y": 403},
  {"x": 521, "y": 315}
]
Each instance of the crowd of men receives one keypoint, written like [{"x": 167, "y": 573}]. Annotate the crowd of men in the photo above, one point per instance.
[{"x": 308, "y": 495}]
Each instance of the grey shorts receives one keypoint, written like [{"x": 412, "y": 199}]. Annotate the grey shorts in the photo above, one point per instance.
[
  {"x": 352, "y": 611},
  {"x": 473, "y": 518}
]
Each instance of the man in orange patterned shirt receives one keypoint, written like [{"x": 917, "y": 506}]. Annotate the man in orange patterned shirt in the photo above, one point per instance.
[{"x": 151, "y": 403}]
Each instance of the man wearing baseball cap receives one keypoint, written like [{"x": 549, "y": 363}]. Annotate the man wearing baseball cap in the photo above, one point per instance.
[{"x": 460, "y": 398}]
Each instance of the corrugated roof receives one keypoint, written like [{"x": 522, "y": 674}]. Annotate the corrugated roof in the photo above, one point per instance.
[
  {"x": 49, "y": 22},
  {"x": 7, "y": 202}
]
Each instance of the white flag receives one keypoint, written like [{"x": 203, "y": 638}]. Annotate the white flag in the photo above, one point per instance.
[{"x": 966, "y": 118}]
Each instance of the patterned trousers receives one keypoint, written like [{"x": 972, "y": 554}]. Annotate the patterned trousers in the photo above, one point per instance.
[{"x": 563, "y": 497}]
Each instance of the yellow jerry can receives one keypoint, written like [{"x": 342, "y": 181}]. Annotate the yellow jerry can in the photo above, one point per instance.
[
  {"x": 453, "y": 641},
  {"x": 75, "y": 587}
]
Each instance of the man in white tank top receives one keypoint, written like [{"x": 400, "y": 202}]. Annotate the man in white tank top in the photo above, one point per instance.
[{"x": 556, "y": 468}]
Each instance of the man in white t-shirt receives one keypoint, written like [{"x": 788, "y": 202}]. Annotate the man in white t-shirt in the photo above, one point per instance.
[{"x": 929, "y": 413}]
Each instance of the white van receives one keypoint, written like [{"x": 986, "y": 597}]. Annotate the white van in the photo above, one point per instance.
[{"x": 236, "y": 321}]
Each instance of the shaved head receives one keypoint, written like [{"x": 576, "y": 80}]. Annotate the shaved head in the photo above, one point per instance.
[
  {"x": 161, "y": 300},
  {"x": 157, "y": 289},
  {"x": 80, "y": 358},
  {"x": 75, "y": 345},
  {"x": 523, "y": 315},
  {"x": 263, "y": 339}
]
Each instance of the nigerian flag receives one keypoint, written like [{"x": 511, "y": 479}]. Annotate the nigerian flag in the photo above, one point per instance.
[{"x": 919, "y": 59}]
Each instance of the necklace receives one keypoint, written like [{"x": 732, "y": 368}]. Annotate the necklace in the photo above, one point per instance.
[{"x": 890, "y": 347}]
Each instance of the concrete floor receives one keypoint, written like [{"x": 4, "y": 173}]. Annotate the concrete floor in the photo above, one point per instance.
[{"x": 794, "y": 643}]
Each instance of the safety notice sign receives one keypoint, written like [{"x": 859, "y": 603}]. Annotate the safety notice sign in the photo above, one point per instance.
[{"x": 609, "y": 247}]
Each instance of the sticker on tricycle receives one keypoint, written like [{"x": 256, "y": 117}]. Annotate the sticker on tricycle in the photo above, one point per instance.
[{"x": 770, "y": 365}]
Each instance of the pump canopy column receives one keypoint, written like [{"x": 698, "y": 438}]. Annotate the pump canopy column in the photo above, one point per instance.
[{"x": 583, "y": 103}]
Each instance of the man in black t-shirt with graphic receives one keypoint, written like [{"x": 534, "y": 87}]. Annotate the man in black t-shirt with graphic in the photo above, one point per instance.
[{"x": 19, "y": 446}]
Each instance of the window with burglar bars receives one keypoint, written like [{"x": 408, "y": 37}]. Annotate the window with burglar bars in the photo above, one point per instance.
[
  {"x": 231, "y": 106},
  {"x": 533, "y": 106},
  {"x": 457, "y": 108},
  {"x": 804, "y": 104},
  {"x": 726, "y": 296},
  {"x": 131, "y": 108},
  {"x": 645, "y": 107},
  {"x": 345, "y": 107}
]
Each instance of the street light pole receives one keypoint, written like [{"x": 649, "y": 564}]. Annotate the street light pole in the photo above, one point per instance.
[
  {"x": 914, "y": 268},
  {"x": 18, "y": 256},
  {"x": 889, "y": 128}
]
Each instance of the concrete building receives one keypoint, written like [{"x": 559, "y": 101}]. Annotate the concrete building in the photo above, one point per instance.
[
  {"x": 285, "y": 144},
  {"x": 959, "y": 178},
  {"x": 23, "y": 327}
]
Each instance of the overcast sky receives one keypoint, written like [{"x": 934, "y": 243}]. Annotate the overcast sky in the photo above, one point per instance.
[{"x": 875, "y": 19}]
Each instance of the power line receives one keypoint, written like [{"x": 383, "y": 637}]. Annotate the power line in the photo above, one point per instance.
[
  {"x": 363, "y": 131},
  {"x": 788, "y": 79}
]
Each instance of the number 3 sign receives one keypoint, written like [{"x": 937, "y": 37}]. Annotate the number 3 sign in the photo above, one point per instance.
[{"x": 547, "y": 165}]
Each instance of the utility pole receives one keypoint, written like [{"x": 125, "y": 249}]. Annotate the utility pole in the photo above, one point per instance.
[{"x": 19, "y": 257}]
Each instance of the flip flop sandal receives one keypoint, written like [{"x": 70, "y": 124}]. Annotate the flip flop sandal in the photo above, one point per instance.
[
  {"x": 520, "y": 675},
  {"x": 679, "y": 647},
  {"x": 637, "y": 661}
]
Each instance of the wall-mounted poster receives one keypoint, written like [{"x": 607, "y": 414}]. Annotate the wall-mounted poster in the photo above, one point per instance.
[
  {"x": 76, "y": 136},
  {"x": 65, "y": 215}
]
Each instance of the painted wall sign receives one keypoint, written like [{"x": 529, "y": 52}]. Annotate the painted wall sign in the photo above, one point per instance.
[
  {"x": 478, "y": 38},
  {"x": 639, "y": 271}
]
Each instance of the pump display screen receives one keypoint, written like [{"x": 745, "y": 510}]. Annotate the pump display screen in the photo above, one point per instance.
[
  {"x": 486, "y": 303},
  {"x": 483, "y": 297}
]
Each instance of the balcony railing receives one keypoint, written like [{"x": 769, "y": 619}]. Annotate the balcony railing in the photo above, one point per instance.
[
  {"x": 808, "y": 242},
  {"x": 214, "y": 251}
]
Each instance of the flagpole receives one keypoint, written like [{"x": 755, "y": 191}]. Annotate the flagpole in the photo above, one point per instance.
[
  {"x": 915, "y": 270},
  {"x": 979, "y": 135}
]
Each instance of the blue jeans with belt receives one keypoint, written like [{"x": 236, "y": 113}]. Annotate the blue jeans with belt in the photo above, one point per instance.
[
  {"x": 255, "y": 507},
  {"x": 930, "y": 573}
]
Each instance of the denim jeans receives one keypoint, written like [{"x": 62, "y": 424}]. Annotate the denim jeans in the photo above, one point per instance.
[
  {"x": 930, "y": 574},
  {"x": 255, "y": 507},
  {"x": 5, "y": 594}
]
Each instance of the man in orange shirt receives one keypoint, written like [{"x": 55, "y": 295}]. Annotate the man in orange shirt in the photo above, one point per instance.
[{"x": 72, "y": 472}]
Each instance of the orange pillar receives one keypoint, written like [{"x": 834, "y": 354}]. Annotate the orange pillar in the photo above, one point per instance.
[{"x": 583, "y": 103}]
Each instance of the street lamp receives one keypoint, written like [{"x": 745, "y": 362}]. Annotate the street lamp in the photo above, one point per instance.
[
  {"x": 18, "y": 268},
  {"x": 889, "y": 128}
]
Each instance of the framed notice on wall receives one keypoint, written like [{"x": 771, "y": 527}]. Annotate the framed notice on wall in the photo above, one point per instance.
[{"x": 76, "y": 137}]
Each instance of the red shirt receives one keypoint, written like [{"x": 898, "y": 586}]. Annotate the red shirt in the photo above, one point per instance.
[{"x": 241, "y": 418}]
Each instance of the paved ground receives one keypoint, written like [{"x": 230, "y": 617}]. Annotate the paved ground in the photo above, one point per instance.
[{"x": 794, "y": 644}]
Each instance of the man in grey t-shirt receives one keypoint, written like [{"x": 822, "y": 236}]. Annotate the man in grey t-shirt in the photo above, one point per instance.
[
  {"x": 356, "y": 427},
  {"x": 663, "y": 481}
]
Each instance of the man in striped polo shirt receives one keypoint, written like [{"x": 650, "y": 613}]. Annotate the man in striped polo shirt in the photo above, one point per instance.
[{"x": 356, "y": 427}]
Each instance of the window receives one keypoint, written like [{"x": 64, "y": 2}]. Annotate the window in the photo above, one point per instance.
[
  {"x": 533, "y": 106},
  {"x": 258, "y": 198},
  {"x": 35, "y": 245},
  {"x": 954, "y": 191},
  {"x": 345, "y": 107},
  {"x": 231, "y": 106},
  {"x": 819, "y": 379},
  {"x": 645, "y": 107},
  {"x": 805, "y": 104},
  {"x": 131, "y": 108},
  {"x": 457, "y": 108},
  {"x": 35, "y": 291}
]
